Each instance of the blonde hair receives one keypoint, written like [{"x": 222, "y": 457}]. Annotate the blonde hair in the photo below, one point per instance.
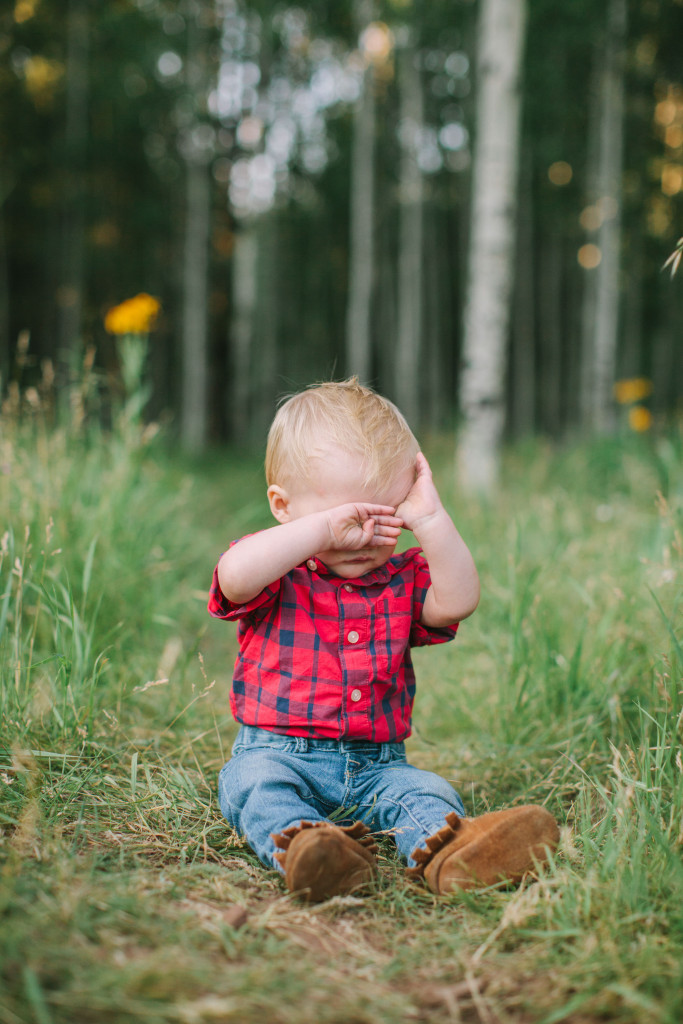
[{"x": 346, "y": 414}]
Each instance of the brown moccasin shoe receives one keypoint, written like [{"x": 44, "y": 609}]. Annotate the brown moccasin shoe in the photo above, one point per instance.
[
  {"x": 322, "y": 860},
  {"x": 469, "y": 853}
]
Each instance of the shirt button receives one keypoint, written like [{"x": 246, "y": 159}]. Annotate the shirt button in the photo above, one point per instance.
[
  {"x": 348, "y": 588},
  {"x": 311, "y": 563},
  {"x": 353, "y": 638},
  {"x": 356, "y": 695}
]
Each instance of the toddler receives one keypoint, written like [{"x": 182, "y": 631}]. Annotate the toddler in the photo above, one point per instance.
[{"x": 324, "y": 685}]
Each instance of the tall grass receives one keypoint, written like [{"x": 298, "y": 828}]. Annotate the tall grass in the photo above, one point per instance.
[{"x": 121, "y": 887}]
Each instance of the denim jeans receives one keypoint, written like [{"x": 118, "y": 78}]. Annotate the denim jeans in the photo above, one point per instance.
[{"x": 272, "y": 782}]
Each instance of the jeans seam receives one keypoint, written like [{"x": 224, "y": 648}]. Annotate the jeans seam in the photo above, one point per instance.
[{"x": 408, "y": 812}]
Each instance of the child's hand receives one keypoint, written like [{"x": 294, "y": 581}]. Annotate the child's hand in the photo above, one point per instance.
[
  {"x": 360, "y": 525},
  {"x": 422, "y": 501}
]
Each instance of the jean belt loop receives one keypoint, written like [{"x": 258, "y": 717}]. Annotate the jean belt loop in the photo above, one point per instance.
[
  {"x": 385, "y": 753},
  {"x": 301, "y": 745}
]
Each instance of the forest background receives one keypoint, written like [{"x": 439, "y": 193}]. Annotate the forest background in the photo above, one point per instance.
[{"x": 293, "y": 184}]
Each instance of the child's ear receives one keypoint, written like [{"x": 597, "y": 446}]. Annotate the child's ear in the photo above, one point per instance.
[{"x": 279, "y": 503}]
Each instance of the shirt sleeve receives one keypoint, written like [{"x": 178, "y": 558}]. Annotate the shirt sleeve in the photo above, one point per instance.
[
  {"x": 420, "y": 635},
  {"x": 220, "y": 607}
]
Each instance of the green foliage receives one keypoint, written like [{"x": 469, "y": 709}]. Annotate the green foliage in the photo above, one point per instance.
[{"x": 121, "y": 884}]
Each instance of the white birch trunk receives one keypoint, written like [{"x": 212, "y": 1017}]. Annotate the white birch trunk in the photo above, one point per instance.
[
  {"x": 550, "y": 326},
  {"x": 265, "y": 382},
  {"x": 632, "y": 330},
  {"x": 487, "y": 308},
  {"x": 244, "y": 269},
  {"x": 610, "y": 160},
  {"x": 194, "y": 396},
  {"x": 589, "y": 292},
  {"x": 385, "y": 314},
  {"x": 362, "y": 231},
  {"x": 437, "y": 287},
  {"x": 4, "y": 292},
  {"x": 70, "y": 295},
  {"x": 411, "y": 207},
  {"x": 523, "y": 372}
]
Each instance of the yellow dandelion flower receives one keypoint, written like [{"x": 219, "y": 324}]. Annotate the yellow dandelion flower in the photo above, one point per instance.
[
  {"x": 635, "y": 389},
  {"x": 639, "y": 419},
  {"x": 134, "y": 316}
]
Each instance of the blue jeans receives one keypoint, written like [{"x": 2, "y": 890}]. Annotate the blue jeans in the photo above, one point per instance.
[{"x": 272, "y": 782}]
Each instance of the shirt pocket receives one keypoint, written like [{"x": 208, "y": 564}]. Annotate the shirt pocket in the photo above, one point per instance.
[{"x": 390, "y": 624}]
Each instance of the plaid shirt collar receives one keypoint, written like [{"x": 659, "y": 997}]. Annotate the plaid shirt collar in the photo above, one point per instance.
[{"x": 380, "y": 575}]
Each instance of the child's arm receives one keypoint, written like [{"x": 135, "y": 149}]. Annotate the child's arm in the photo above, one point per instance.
[
  {"x": 454, "y": 593},
  {"x": 249, "y": 566}
]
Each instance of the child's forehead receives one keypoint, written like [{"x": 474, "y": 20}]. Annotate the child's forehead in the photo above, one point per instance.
[
  {"x": 338, "y": 460},
  {"x": 336, "y": 470}
]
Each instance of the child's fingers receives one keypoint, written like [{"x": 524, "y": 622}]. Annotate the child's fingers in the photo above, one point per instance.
[
  {"x": 395, "y": 522},
  {"x": 385, "y": 535},
  {"x": 374, "y": 533},
  {"x": 376, "y": 511},
  {"x": 388, "y": 535},
  {"x": 368, "y": 529},
  {"x": 378, "y": 534}
]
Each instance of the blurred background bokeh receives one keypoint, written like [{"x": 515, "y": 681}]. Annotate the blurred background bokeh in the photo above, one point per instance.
[{"x": 293, "y": 185}]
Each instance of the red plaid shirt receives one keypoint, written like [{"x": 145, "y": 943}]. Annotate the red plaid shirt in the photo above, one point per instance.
[{"x": 325, "y": 656}]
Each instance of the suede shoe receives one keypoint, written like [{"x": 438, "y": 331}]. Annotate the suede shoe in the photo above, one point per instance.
[
  {"x": 470, "y": 853},
  {"x": 322, "y": 860}
]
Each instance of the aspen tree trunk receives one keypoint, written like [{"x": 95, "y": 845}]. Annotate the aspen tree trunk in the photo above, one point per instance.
[
  {"x": 4, "y": 293},
  {"x": 70, "y": 292},
  {"x": 362, "y": 240},
  {"x": 572, "y": 384},
  {"x": 265, "y": 317},
  {"x": 244, "y": 268},
  {"x": 605, "y": 335},
  {"x": 632, "y": 334},
  {"x": 609, "y": 235},
  {"x": 385, "y": 314},
  {"x": 589, "y": 291},
  {"x": 194, "y": 342},
  {"x": 487, "y": 308},
  {"x": 436, "y": 292},
  {"x": 410, "y": 261},
  {"x": 550, "y": 325},
  {"x": 523, "y": 371},
  {"x": 194, "y": 395}
]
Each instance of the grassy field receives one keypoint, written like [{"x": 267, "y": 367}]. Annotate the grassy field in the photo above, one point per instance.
[{"x": 123, "y": 894}]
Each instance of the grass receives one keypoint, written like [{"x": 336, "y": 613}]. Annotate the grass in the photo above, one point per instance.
[{"x": 124, "y": 896}]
